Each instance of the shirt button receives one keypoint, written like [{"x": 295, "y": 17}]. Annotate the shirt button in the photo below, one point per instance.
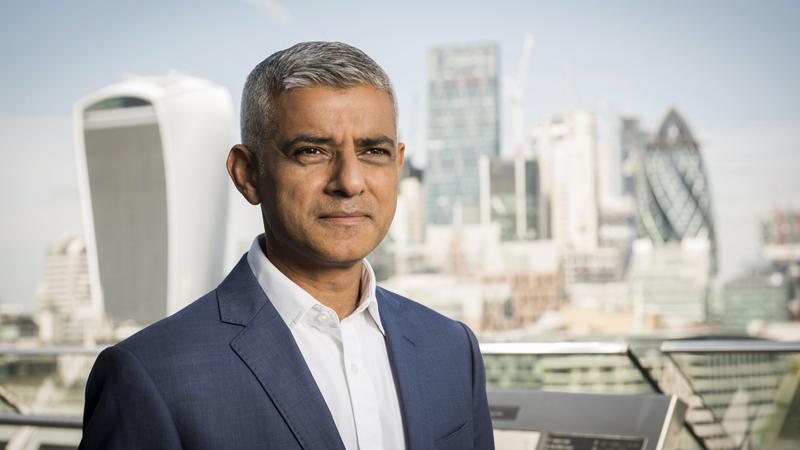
[
  {"x": 322, "y": 317},
  {"x": 354, "y": 368}
]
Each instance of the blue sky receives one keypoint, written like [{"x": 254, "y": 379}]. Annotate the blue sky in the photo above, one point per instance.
[{"x": 730, "y": 67}]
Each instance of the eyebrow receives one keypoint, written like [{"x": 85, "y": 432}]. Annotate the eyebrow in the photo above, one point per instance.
[
  {"x": 378, "y": 140},
  {"x": 306, "y": 139},
  {"x": 320, "y": 140}
]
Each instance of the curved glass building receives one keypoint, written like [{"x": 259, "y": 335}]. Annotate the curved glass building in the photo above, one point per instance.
[
  {"x": 151, "y": 155},
  {"x": 672, "y": 190}
]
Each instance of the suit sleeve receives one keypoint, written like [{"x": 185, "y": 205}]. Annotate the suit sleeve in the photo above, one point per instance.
[
  {"x": 483, "y": 437},
  {"x": 124, "y": 409}
]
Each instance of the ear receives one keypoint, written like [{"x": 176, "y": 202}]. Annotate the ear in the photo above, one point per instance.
[
  {"x": 242, "y": 166},
  {"x": 401, "y": 157}
]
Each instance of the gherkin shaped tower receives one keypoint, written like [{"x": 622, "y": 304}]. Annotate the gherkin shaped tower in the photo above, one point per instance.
[{"x": 673, "y": 195}]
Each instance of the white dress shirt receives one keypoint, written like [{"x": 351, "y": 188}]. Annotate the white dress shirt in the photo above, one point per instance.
[{"x": 347, "y": 358}]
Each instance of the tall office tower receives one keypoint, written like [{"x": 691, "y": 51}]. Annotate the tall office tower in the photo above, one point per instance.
[
  {"x": 499, "y": 203},
  {"x": 608, "y": 159},
  {"x": 632, "y": 142},
  {"x": 463, "y": 125},
  {"x": 153, "y": 189},
  {"x": 565, "y": 148},
  {"x": 65, "y": 310},
  {"x": 672, "y": 191}
]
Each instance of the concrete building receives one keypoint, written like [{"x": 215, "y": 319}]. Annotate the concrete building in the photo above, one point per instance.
[
  {"x": 463, "y": 125},
  {"x": 502, "y": 184},
  {"x": 670, "y": 283},
  {"x": 66, "y": 313},
  {"x": 564, "y": 145},
  {"x": 747, "y": 298},
  {"x": 17, "y": 326},
  {"x": 600, "y": 265},
  {"x": 456, "y": 298},
  {"x": 532, "y": 270},
  {"x": 617, "y": 224},
  {"x": 153, "y": 192}
]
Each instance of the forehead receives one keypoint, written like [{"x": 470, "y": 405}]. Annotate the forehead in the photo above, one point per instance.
[{"x": 360, "y": 110}]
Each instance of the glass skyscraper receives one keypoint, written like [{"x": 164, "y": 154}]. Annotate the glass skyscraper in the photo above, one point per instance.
[
  {"x": 463, "y": 125},
  {"x": 672, "y": 190}
]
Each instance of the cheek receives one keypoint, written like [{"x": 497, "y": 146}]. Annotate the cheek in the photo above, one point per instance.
[
  {"x": 296, "y": 199},
  {"x": 387, "y": 199}
]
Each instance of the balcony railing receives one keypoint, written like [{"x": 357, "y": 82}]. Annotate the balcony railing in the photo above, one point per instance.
[{"x": 741, "y": 394}]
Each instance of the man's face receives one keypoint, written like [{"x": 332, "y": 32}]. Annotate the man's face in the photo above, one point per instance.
[{"x": 328, "y": 188}]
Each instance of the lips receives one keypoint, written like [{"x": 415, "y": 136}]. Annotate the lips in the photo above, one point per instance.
[{"x": 344, "y": 218}]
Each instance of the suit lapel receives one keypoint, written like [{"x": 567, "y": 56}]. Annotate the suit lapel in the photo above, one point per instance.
[
  {"x": 268, "y": 348},
  {"x": 403, "y": 351}
]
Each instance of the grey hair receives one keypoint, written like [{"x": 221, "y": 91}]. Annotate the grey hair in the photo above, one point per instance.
[{"x": 306, "y": 64}]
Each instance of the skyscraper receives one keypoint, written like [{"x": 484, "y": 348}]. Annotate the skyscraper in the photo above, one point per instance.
[
  {"x": 153, "y": 191},
  {"x": 565, "y": 148},
  {"x": 463, "y": 125},
  {"x": 632, "y": 144},
  {"x": 501, "y": 205},
  {"x": 672, "y": 191}
]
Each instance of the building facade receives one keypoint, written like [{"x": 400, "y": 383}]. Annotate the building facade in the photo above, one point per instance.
[
  {"x": 747, "y": 298},
  {"x": 672, "y": 189},
  {"x": 670, "y": 284},
  {"x": 564, "y": 145},
  {"x": 153, "y": 193},
  {"x": 66, "y": 313},
  {"x": 503, "y": 182},
  {"x": 463, "y": 125}
]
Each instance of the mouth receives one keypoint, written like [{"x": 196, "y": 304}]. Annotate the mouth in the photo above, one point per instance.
[{"x": 344, "y": 218}]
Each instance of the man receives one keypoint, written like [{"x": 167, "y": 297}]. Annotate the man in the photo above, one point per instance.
[{"x": 297, "y": 348}]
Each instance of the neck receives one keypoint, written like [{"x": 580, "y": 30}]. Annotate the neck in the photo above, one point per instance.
[{"x": 337, "y": 287}]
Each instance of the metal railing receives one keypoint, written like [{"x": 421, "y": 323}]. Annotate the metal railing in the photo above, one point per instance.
[
  {"x": 19, "y": 416},
  {"x": 740, "y": 367},
  {"x": 668, "y": 351}
]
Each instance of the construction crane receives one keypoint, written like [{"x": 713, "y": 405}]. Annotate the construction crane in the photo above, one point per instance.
[{"x": 515, "y": 87}]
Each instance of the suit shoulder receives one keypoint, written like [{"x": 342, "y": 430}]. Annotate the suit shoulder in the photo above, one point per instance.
[
  {"x": 183, "y": 325},
  {"x": 422, "y": 314}
]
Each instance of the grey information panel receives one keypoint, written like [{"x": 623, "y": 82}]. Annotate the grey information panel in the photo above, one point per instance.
[
  {"x": 540, "y": 420},
  {"x": 557, "y": 441}
]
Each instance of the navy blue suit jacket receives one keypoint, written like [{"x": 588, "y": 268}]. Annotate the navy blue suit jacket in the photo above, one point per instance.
[{"x": 226, "y": 373}]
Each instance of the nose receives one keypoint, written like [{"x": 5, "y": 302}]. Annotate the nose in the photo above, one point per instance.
[{"x": 347, "y": 177}]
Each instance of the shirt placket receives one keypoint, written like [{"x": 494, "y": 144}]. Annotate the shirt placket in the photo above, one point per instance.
[{"x": 363, "y": 395}]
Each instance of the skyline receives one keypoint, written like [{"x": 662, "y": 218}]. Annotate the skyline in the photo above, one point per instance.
[{"x": 725, "y": 66}]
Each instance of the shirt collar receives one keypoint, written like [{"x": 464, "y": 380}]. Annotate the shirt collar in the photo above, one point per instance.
[{"x": 291, "y": 301}]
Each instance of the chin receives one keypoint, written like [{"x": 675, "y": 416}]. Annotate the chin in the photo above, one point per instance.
[{"x": 344, "y": 255}]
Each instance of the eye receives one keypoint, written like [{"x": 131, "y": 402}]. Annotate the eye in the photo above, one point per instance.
[
  {"x": 308, "y": 153},
  {"x": 378, "y": 151}
]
